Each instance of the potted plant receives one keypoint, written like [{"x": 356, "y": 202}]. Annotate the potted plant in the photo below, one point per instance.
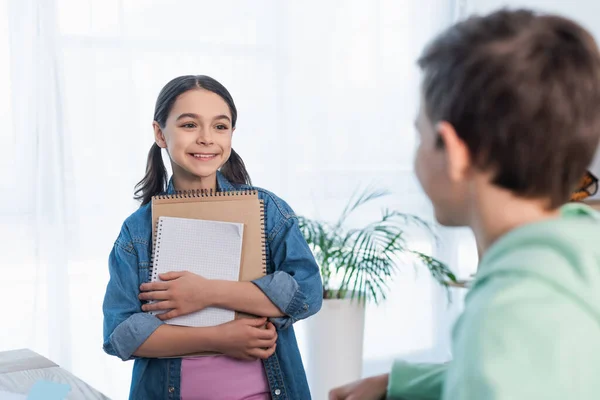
[{"x": 357, "y": 265}]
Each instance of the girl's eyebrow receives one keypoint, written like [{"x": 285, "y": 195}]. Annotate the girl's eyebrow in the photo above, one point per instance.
[
  {"x": 188, "y": 115},
  {"x": 223, "y": 116},
  {"x": 196, "y": 116}
]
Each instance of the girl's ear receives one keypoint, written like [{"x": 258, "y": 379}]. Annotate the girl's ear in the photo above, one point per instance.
[{"x": 159, "y": 136}]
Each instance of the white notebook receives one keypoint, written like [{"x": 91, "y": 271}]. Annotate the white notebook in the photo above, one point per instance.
[{"x": 211, "y": 249}]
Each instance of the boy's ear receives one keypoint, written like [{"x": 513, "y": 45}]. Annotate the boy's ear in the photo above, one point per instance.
[
  {"x": 159, "y": 136},
  {"x": 458, "y": 158}
]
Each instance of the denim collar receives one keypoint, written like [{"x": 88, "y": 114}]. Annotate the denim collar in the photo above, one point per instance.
[{"x": 223, "y": 185}]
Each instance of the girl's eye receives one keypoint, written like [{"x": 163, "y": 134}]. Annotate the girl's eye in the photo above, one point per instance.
[
  {"x": 189, "y": 125},
  {"x": 221, "y": 127}
]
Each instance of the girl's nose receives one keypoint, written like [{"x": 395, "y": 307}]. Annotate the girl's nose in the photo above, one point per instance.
[{"x": 205, "y": 137}]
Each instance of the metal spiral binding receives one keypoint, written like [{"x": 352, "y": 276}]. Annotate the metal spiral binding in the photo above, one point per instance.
[
  {"x": 199, "y": 193},
  {"x": 155, "y": 250},
  {"x": 263, "y": 238}
]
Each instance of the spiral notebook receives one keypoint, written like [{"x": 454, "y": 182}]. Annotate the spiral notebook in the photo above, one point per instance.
[
  {"x": 212, "y": 249},
  {"x": 240, "y": 207}
]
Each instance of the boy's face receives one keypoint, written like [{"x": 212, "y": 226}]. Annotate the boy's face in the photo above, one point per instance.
[{"x": 442, "y": 166}]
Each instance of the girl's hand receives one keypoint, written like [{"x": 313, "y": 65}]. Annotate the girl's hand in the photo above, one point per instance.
[
  {"x": 180, "y": 292},
  {"x": 246, "y": 339}
]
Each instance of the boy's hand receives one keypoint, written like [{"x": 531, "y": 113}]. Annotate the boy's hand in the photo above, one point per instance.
[
  {"x": 373, "y": 388},
  {"x": 179, "y": 292},
  {"x": 246, "y": 339}
]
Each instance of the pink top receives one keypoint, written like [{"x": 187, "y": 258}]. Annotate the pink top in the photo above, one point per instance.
[{"x": 223, "y": 378}]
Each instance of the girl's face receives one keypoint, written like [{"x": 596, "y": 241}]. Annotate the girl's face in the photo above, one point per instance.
[{"x": 197, "y": 136}]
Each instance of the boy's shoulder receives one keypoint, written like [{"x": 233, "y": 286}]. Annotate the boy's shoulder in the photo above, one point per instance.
[
  {"x": 518, "y": 331},
  {"x": 554, "y": 250},
  {"x": 555, "y": 260}
]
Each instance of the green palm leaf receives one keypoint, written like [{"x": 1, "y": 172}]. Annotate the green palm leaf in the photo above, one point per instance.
[{"x": 360, "y": 263}]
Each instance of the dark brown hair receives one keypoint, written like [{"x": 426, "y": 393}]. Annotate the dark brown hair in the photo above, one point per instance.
[
  {"x": 155, "y": 180},
  {"x": 522, "y": 91}
]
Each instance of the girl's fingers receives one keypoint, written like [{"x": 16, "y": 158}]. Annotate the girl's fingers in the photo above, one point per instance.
[
  {"x": 265, "y": 344},
  {"x": 151, "y": 286},
  {"x": 263, "y": 353},
  {"x": 169, "y": 315},
  {"x": 266, "y": 334},
  {"x": 168, "y": 276},
  {"x": 155, "y": 295},
  {"x": 159, "y": 306}
]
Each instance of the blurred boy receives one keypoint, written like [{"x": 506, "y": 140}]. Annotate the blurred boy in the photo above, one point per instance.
[{"x": 509, "y": 122}]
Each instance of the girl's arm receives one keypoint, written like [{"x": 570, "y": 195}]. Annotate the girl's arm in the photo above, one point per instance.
[
  {"x": 243, "y": 338},
  {"x": 130, "y": 333},
  {"x": 244, "y": 297},
  {"x": 125, "y": 326},
  {"x": 182, "y": 292},
  {"x": 292, "y": 292},
  {"x": 170, "y": 341},
  {"x": 295, "y": 286}
]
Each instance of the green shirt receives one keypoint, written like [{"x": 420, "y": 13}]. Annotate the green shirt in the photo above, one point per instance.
[{"x": 531, "y": 325}]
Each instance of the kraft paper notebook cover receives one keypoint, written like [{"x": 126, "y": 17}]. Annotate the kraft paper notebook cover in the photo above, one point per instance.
[
  {"x": 238, "y": 207},
  {"x": 242, "y": 207},
  {"x": 212, "y": 249}
]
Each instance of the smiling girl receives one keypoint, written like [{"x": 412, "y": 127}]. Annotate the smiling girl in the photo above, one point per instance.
[{"x": 194, "y": 120}]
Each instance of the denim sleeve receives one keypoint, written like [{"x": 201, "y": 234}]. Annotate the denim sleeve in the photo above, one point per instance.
[
  {"x": 295, "y": 286},
  {"x": 126, "y": 327}
]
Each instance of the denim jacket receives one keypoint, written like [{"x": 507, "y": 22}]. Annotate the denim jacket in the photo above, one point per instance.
[{"x": 293, "y": 284}]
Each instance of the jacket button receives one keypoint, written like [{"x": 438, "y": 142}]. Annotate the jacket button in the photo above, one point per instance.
[
  {"x": 305, "y": 307},
  {"x": 277, "y": 392},
  {"x": 171, "y": 389}
]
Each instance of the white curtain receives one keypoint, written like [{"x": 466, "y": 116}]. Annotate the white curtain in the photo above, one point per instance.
[{"x": 326, "y": 92}]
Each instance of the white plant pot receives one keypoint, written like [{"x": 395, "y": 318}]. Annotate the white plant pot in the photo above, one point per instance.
[{"x": 334, "y": 338}]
